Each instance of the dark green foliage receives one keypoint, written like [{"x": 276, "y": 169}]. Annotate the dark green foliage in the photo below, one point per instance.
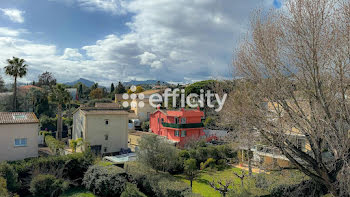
[
  {"x": 91, "y": 103},
  {"x": 196, "y": 87},
  {"x": 112, "y": 88},
  {"x": 47, "y": 123},
  {"x": 43, "y": 107},
  {"x": 131, "y": 190},
  {"x": 120, "y": 88},
  {"x": 209, "y": 121},
  {"x": 70, "y": 167},
  {"x": 46, "y": 79},
  {"x": 156, "y": 153},
  {"x": 47, "y": 186},
  {"x": 191, "y": 169},
  {"x": 105, "y": 180},
  {"x": 9, "y": 173},
  {"x": 55, "y": 145},
  {"x": 209, "y": 163},
  {"x": 305, "y": 188},
  {"x": 3, "y": 188},
  {"x": 201, "y": 154},
  {"x": 145, "y": 126},
  {"x": 221, "y": 164},
  {"x": 156, "y": 184},
  {"x": 261, "y": 181}
]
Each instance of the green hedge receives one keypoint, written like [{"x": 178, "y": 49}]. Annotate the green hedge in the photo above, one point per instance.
[
  {"x": 55, "y": 145},
  {"x": 105, "y": 180},
  {"x": 156, "y": 184},
  {"x": 70, "y": 167},
  {"x": 202, "y": 154},
  {"x": 3, "y": 188},
  {"x": 46, "y": 185},
  {"x": 131, "y": 190},
  {"x": 9, "y": 173}
]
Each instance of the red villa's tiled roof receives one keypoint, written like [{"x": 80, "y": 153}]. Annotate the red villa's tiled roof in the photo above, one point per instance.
[
  {"x": 181, "y": 112},
  {"x": 18, "y": 118}
]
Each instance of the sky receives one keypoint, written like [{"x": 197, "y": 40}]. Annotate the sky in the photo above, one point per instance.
[{"x": 108, "y": 41}]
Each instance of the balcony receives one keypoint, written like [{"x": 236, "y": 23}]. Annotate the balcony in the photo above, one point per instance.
[{"x": 183, "y": 126}]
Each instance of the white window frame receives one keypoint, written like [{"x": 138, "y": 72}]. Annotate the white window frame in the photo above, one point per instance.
[
  {"x": 183, "y": 120},
  {"x": 22, "y": 142},
  {"x": 183, "y": 133},
  {"x": 177, "y": 133}
]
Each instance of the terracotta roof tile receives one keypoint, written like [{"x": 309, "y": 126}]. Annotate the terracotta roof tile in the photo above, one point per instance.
[{"x": 18, "y": 118}]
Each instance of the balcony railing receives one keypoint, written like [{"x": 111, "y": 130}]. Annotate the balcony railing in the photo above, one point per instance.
[{"x": 183, "y": 126}]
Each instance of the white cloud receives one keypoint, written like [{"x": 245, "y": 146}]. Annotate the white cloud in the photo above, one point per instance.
[
  {"x": 156, "y": 64},
  {"x": 15, "y": 15},
  {"x": 169, "y": 40},
  {"x": 72, "y": 54},
  {"x": 111, "y": 6},
  {"x": 4, "y": 31},
  {"x": 146, "y": 58}
]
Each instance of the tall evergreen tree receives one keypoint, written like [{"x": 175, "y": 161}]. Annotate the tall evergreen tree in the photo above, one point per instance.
[
  {"x": 112, "y": 88},
  {"x": 120, "y": 88},
  {"x": 80, "y": 90}
]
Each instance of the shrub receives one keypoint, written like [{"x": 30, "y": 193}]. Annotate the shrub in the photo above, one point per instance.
[
  {"x": 156, "y": 184},
  {"x": 45, "y": 133},
  {"x": 261, "y": 181},
  {"x": 3, "y": 187},
  {"x": 131, "y": 190},
  {"x": 71, "y": 167},
  {"x": 55, "y": 145},
  {"x": 202, "y": 154},
  {"x": 221, "y": 164},
  {"x": 145, "y": 126},
  {"x": 47, "y": 186},
  {"x": 92, "y": 103},
  {"x": 47, "y": 123},
  {"x": 304, "y": 188},
  {"x": 9, "y": 173},
  {"x": 157, "y": 153},
  {"x": 209, "y": 163},
  {"x": 105, "y": 180}
]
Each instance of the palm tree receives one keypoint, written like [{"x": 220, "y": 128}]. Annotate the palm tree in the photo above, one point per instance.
[
  {"x": 16, "y": 68},
  {"x": 60, "y": 96}
]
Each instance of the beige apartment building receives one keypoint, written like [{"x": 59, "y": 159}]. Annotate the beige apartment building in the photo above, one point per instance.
[
  {"x": 105, "y": 129},
  {"x": 18, "y": 135}
]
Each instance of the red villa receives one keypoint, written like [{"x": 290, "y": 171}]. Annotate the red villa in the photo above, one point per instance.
[{"x": 177, "y": 125}]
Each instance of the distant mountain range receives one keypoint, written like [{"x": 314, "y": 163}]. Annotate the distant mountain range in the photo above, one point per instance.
[
  {"x": 130, "y": 83},
  {"x": 146, "y": 82},
  {"x": 83, "y": 81}
]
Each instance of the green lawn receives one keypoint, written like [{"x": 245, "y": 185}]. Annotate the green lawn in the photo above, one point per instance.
[
  {"x": 77, "y": 192},
  {"x": 202, "y": 187}
]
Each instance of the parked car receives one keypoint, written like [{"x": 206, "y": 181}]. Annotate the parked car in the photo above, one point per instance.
[{"x": 134, "y": 124}]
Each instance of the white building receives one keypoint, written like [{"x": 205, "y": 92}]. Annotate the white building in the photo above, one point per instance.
[
  {"x": 18, "y": 135},
  {"x": 105, "y": 129}
]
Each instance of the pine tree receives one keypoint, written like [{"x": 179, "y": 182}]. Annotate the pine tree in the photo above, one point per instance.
[
  {"x": 120, "y": 88},
  {"x": 112, "y": 88}
]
